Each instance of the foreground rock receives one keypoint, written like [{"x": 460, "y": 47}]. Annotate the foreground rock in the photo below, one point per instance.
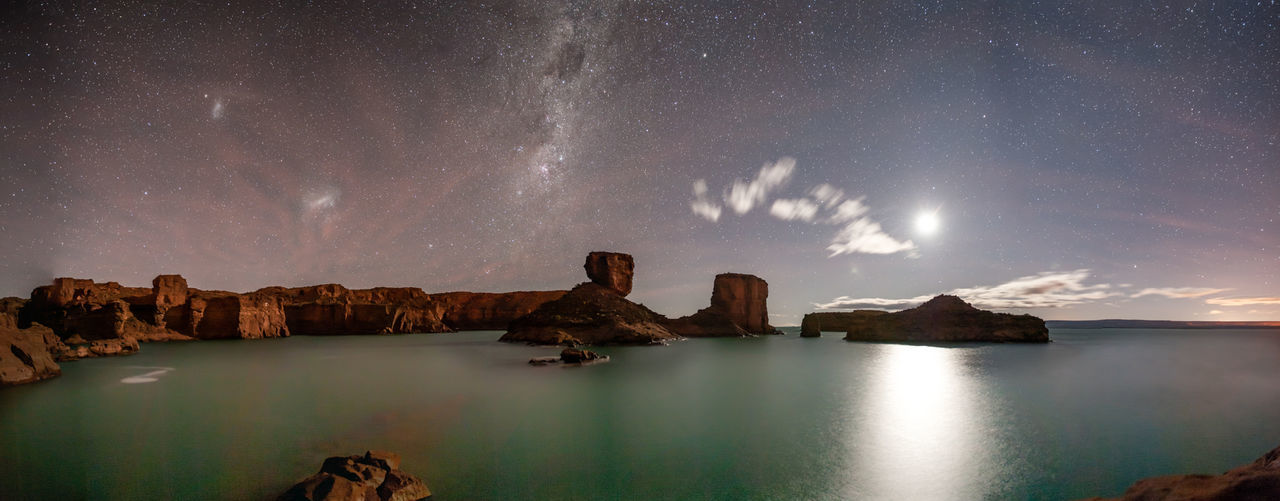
[
  {"x": 739, "y": 308},
  {"x": 571, "y": 356},
  {"x": 25, "y": 355},
  {"x": 813, "y": 324},
  {"x": 947, "y": 319},
  {"x": 590, "y": 314},
  {"x": 1259, "y": 480},
  {"x": 612, "y": 270},
  {"x": 374, "y": 476}
]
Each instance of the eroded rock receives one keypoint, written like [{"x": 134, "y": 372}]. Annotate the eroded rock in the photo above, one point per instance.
[
  {"x": 739, "y": 307},
  {"x": 612, "y": 270},
  {"x": 376, "y": 475},
  {"x": 947, "y": 319}
]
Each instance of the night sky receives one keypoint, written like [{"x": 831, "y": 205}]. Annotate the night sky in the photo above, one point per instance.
[{"x": 1066, "y": 160}]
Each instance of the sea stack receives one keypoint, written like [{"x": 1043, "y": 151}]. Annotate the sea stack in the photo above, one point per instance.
[
  {"x": 739, "y": 307},
  {"x": 594, "y": 313},
  {"x": 813, "y": 324},
  {"x": 947, "y": 319}
]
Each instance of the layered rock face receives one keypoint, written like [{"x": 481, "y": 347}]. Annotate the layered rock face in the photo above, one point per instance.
[
  {"x": 947, "y": 319},
  {"x": 612, "y": 270},
  {"x": 25, "y": 355},
  {"x": 480, "y": 311},
  {"x": 813, "y": 324},
  {"x": 1259, "y": 480},
  {"x": 590, "y": 314},
  {"x": 739, "y": 307},
  {"x": 374, "y": 476}
]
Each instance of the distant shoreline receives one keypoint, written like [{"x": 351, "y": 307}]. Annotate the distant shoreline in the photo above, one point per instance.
[{"x": 1157, "y": 324}]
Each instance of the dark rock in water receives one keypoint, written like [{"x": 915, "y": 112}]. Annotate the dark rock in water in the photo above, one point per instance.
[
  {"x": 738, "y": 308},
  {"x": 25, "y": 355},
  {"x": 813, "y": 324},
  {"x": 947, "y": 319},
  {"x": 1259, "y": 480},
  {"x": 611, "y": 269},
  {"x": 590, "y": 314},
  {"x": 374, "y": 476},
  {"x": 571, "y": 356}
]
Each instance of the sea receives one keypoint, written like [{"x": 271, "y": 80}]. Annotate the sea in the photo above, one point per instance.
[{"x": 766, "y": 418}]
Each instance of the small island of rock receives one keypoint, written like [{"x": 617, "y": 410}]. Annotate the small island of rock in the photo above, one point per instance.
[{"x": 945, "y": 319}]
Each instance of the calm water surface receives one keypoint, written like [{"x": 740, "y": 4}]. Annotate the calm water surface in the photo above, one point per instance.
[{"x": 767, "y": 418}]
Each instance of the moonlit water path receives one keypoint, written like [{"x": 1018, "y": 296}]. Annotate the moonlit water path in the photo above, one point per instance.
[{"x": 766, "y": 418}]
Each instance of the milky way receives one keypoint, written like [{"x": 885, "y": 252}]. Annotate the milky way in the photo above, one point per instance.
[{"x": 1082, "y": 161}]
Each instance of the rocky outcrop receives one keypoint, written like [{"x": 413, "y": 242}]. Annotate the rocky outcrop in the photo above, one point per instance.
[
  {"x": 481, "y": 311},
  {"x": 813, "y": 324},
  {"x": 10, "y": 308},
  {"x": 254, "y": 315},
  {"x": 947, "y": 319},
  {"x": 374, "y": 476},
  {"x": 739, "y": 307},
  {"x": 571, "y": 356},
  {"x": 1259, "y": 480},
  {"x": 590, "y": 314},
  {"x": 24, "y": 355},
  {"x": 612, "y": 270}
]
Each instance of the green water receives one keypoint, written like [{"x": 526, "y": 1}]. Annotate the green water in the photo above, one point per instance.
[{"x": 766, "y": 418}]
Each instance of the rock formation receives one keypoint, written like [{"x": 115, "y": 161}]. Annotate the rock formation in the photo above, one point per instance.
[
  {"x": 590, "y": 314},
  {"x": 571, "y": 356},
  {"x": 738, "y": 308},
  {"x": 375, "y": 476},
  {"x": 481, "y": 311},
  {"x": 25, "y": 355},
  {"x": 947, "y": 319},
  {"x": 612, "y": 270},
  {"x": 813, "y": 324},
  {"x": 1259, "y": 480}
]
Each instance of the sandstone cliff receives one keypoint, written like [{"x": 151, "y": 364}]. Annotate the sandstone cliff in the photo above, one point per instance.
[
  {"x": 813, "y": 324},
  {"x": 947, "y": 319},
  {"x": 739, "y": 307},
  {"x": 25, "y": 355},
  {"x": 590, "y": 314},
  {"x": 612, "y": 270},
  {"x": 476, "y": 311}
]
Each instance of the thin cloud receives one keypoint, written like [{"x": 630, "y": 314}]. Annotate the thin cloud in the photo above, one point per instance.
[
  {"x": 743, "y": 195},
  {"x": 1178, "y": 292},
  {"x": 865, "y": 236},
  {"x": 827, "y": 195},
  {"x": 701, "y": 205},
  {"x": 1043, "y": 290},
  {"x": 1242, "y": 301},
  {"x": 790, "y": 210}
]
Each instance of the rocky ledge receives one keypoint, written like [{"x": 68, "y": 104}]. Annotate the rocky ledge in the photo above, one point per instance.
[
  {"x": 1259, "y": 480},
  {"x": 947, "y": 319},
  {"x": 813, "y": 324},
  {"x": 374, "y": 476}
]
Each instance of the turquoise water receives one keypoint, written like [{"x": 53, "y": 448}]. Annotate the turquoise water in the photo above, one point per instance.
[{"x": 766, "y": 418}]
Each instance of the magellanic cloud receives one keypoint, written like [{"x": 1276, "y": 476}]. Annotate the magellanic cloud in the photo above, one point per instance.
[
  {"x": 859, "y": 234},
  {"x": 1178, "y": 292},
  {"x": 1242, "y": 301},
  {"x": 1043, "y": 290}
]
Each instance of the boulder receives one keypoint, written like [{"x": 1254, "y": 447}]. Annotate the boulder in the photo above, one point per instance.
[
  {"x": 374, "y": 476},
  {"x": 25, "y": 356},
  {"x": 612, "y": 270},
  {"x": 739, "y": 307},
  {"x": 590, "y": 314},
  {"x": 813, "y": 324},
  {"x": 947, "y": 319},
  {"x": 1259, "y": 480}
]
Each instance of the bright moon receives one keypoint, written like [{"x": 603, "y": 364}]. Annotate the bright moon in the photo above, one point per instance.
[{"x": 927, "y": 223}]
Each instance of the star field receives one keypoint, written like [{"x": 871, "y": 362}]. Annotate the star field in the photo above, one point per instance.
[{"x": 1083, "y": 160}]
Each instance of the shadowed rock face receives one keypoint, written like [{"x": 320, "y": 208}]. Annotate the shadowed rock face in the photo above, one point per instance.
[
  {"x": 1259, "y": 480},
  {"x": 25, "y": 356},
  {"x": 947, "y": 319},
  {"x": 739, "y": 307},
  {"x": 590, "y": 314},
  {"x": 833, "y": 321},
  {"x": 474, "y": 311},
  {"x": 375, "y": 476},
  {"x": 612, "y": 270}
]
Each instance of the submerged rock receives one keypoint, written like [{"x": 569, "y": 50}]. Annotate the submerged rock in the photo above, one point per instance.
[
  {"x": 613, "y": 270},
  {"x": 571, "y": 356},
  {"x": 1259, "y": 480},
  {"x": 739, "y": 307},
  {"x": 590, "y": 314},
  {"x": 947, "y": 319},
  {"x": 374, "y": 476}
]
